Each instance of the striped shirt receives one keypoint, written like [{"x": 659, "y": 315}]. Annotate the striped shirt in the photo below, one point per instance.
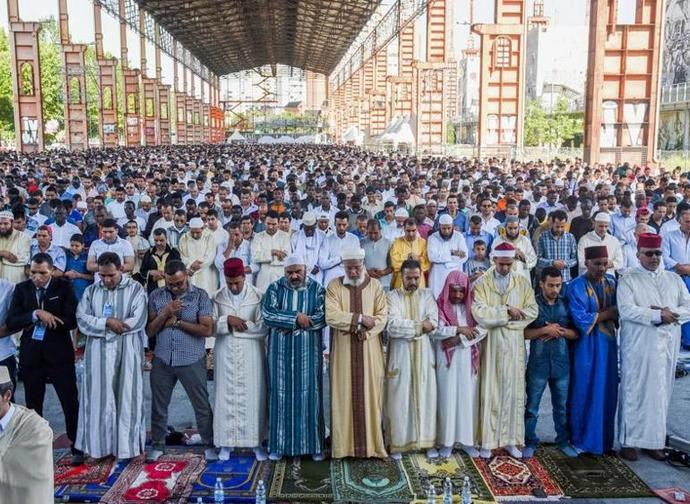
[
  {"x": 174, "y": 346},
  {"x": 56, "y": 253},
  {"x": 552, "y": 249}
]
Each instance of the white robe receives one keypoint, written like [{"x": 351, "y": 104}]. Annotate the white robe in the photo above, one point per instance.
[
  {"x": 458, "y": 387},
  {"x": 20, "y": 245},
  {"x": 410, "y": 385},
  {"x": 330, "y": 260},
  {"x": 271, "y": 267},
  {"x": 239, "y": 418},
  {"x": 309, "y": 247},
  {"x": 648, "y": 353},
  {"x": 524, "y": 245},
  {"x": 204, "y": 250},
  {"x": 613, "y": 246},
  {"x": 442, "y": 262}
]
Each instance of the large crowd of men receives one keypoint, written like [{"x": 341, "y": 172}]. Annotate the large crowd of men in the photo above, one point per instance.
[{"x": 356, "y": 304}]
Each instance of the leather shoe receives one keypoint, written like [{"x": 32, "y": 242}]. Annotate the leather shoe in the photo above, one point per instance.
[
  {"x": 629, "y": 453},
  {"x": 655, "y": 454},
  {"x": 77, "y": 459}
]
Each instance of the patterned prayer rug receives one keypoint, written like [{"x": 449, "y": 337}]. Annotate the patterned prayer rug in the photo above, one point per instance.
[
  {"x": 89, "y": 492},
  {"x": 423, "y": 471},
  {"x": 369, "y": 480},
  {"x": 589, "y": 476},
  {"x": 93, "y": 471},
  {"x": 167, "y": 480},
  {"x": 302, "y": 480},
  {"x": 240, "y": 475},
  {"x": 673, "y": 495},
  {"x": 508, "y": 478}
]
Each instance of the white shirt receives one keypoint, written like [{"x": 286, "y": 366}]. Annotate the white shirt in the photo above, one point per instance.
[
  {"x": 62, "y": 234},
  {"x": 5, "y": 420},
  {"x": 7, "y": 346}
]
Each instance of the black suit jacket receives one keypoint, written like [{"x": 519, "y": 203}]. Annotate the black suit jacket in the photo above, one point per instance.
[{"x": 57, "y": 343}]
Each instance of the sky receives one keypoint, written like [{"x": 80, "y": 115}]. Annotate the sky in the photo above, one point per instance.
[{"x": 80, "y": 12}]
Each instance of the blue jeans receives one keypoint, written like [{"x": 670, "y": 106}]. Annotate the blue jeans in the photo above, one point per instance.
[{"x": 548, "y": 363}]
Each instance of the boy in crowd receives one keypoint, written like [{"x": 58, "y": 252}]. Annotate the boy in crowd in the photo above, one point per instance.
[{"x": 476, "y": 266}]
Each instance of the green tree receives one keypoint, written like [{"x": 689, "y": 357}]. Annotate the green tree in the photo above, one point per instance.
[
  {"x": 6, "y": 106},
  {"x": 551, "y": 129},
  {"x": 536, "y": 123},
  {"x": 51, "y": 74}
]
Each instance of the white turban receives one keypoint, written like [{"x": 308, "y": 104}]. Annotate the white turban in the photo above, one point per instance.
[
  {"x": 445, "y": 220},
  {"x": 352, "y": 254},
  {"x": 295, "y": 259},
  {"x": 6, "y": 214},
  {"x": 196, "y": 223}
]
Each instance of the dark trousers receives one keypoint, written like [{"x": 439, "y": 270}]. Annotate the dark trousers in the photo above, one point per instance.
[
  {"x": 64, "y": 379},
  {"x": 193, "y": 379},
  {"x": 11, "y": 364}
]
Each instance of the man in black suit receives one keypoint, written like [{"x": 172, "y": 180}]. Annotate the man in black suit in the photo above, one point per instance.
[{"x": 44, "y": 309}]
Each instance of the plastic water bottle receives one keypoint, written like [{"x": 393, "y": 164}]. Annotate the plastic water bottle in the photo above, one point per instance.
[
  {"x": 447, "y": 491},
  {"x": 199, "y": 500},
  {"x": 260, "y": 493},
  {"x": 466, "y": 491},
  {"x": 431, "y": 495},
  {"x": 218, "y": 494}
]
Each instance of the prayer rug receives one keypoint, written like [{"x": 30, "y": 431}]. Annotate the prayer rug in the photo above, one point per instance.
[
  {"x": 302, "y": 480},
  {"x": 240, "y": 475},
  {"x": 93, "y": 471},
  {"x": 167, "y": 480},
  {"x": 508, "y": 478},
  {"x": 89, "y": 492},
  {"x": 589, "y": 476},
  {"x": 673, "y": 495},
  {"x": 423, "y": 471},
  {"x": 369, "y": 480}
]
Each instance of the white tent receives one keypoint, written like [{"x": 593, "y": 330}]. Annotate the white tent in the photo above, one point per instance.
[
  {"x": 353, "y": 136},
  {"x": 398, "y": 132},
  {"x": 267, "y": 140},
  {"x": 236, "y": 137},
  {"x": 305, "y": 139},
  {"x": 285, "y": 139}
]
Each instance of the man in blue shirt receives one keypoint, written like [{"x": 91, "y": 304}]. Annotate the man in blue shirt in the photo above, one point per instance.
[
  {"x": 477, "y": 233},
  {"x": 549, "y": 362}
]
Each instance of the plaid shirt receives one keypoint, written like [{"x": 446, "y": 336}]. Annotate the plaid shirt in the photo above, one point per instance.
[
  {"x": 174, "y": 346},
  {"x": 551, "y": 249}
]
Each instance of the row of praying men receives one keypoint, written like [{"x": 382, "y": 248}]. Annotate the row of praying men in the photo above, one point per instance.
[{"x": 453, "y": 373}]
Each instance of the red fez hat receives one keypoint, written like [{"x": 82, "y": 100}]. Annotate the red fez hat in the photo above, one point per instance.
[
  {"x": 598, "y": 252},
  {"x": 642, "y": 211},
  {"x": 233, "y": 267},
  {"x": 649, "y": 240},
  {"x": 505, "y": 249}
]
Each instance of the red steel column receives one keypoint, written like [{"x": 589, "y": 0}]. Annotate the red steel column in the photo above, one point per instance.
[{"x": 107, "y": 84}]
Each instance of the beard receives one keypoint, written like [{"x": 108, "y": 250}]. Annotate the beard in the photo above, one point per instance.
[{"x": 6, "y": 234}]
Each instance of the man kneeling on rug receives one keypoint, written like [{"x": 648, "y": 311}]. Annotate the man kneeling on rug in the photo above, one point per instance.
[{"x": 26, "y": 451}]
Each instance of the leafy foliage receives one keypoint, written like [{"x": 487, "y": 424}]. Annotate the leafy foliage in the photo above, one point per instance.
[{"x": 554, "y": 129}]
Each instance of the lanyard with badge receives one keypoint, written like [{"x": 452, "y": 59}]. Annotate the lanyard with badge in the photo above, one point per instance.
[{"x": 40, "y": 328}]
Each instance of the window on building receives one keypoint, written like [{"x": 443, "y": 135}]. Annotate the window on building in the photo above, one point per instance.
[{"x": 502, "y": 50}]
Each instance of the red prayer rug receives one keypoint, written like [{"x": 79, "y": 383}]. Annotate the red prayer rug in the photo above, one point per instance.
[
  {"x": 508, "y": 478},
  {"x": 673, "y": 495},
  {"x": 167, "y": 480},
  {"x": 92, "y": 471}
]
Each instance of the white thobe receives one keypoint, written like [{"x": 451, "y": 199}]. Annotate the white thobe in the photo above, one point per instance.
[
  {"x": 203, "y": 250},
  {"x": 239, "y": 414},
  {"x": 62, "y": 234},
  {"x": 410, "y": 386},
  {"x": 442, "y": 261},
  {"x": 458, "y": 387},
  {"x": 613, "y": 246},
  {"x": 392, "y": 231},
  {"x": 309, "y": 247},
  {"x": 330, "y": 260},
  {"x": 524, "y": 245},
  {"x": 242, "y": 252},
  {"x": 648, "y": 353},
  {"x": 271, "y": 267},
  {"x": 20, "y": 245}
]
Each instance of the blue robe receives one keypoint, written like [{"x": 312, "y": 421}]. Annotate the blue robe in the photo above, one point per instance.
[
  {"x": 594, "y": 374},
  {"x": 295, "y": 408}
]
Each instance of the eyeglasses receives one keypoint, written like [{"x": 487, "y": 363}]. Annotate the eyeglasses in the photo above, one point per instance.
[{"x": 652, "y": 253}]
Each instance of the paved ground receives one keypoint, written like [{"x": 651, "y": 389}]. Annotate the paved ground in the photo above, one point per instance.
[{"x": 655, "y": 474}]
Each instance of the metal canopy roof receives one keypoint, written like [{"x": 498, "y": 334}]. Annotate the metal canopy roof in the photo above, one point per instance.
[{"x": 232, "y": 35}]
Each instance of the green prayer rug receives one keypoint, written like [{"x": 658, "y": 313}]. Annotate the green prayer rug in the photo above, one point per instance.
[
  {"x": 370, "y": 480},
  {"x": 301, "y": 480},
  {"x": 590, "y": 476},
  {"x": 423, "y": 471}
]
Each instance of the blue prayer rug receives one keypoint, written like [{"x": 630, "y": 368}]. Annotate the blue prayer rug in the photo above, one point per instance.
[{"x": 240, "y": 475}]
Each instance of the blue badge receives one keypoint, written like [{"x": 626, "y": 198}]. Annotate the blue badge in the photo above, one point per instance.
[
  {"x": 39, "y": 332},
  {"x": 108, "y": 310}
]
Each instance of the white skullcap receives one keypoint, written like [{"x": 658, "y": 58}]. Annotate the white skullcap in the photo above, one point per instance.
[
  {"x": 445, "y": 220},
  {"x": 6, "y": 214},
  {"x": 352, "y": 254},
  {"x": 295, "y": 259},
  {"x": 602, "y": 217},
  {"x": 401, "y": 212},
  {"x": 82, "y": 204},
  {"x": 145, "y": 199},
  {"x": 196, "y": 222},
  {"x": 4, "y": 375},
  {"x": 309, "y": 219},
  {"x": 324, "y": 216}
]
